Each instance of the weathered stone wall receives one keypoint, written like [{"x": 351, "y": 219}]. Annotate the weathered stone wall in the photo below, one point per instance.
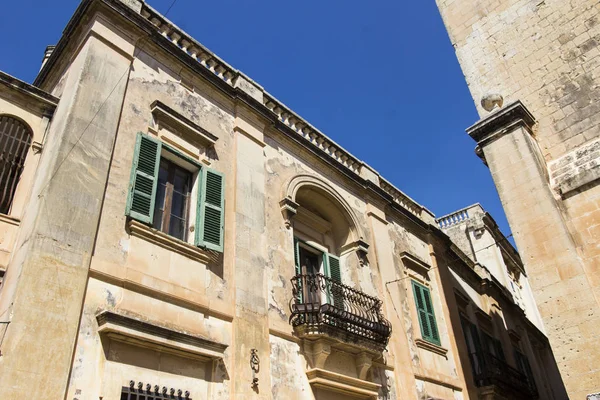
[
  {"x": 545, "y": 54},
  {"x": 57, "y": 236}
]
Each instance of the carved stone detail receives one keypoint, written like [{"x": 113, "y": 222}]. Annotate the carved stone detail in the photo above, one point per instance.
[{"x": 289, "y": 208}]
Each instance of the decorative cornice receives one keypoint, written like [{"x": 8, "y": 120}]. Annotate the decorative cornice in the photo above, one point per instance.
[
  {"x": 434, "y": 348},
  {"x": 165, "y": 115},
  {"x": 43, "y": 101},
  {"x": 147, "y": 334},
  {"x": 499, "y": 123},
  {"x": 332, "y": 381}
]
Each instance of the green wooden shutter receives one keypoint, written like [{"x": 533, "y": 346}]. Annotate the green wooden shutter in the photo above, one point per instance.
[
  {"x": 211, "y": 209},
  {"x": 429, "y": 329},
  {"x": 335, "y": 294},
  {"x": 144, "y": 178},
  {"x": 298, "y": 268}
]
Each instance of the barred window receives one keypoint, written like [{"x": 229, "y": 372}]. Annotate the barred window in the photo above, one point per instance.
[
  {"x": 149, "y": 392},
  {"x": 15, "y": 139}
]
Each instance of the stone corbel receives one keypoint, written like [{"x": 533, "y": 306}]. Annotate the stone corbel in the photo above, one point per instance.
[
  {"x": 36, "y": 147},
  {"x": 317, "y": 352},
  {"x": 363, "y": 361},
  {"x": 362, "y": 250},
  {"x": 289, "y": 209}
]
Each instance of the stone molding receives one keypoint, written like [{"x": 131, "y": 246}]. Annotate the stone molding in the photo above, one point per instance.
[
  {"x": 165, "y": 115},
  {"x": 153, "y": 336},
  {"x": 331, "y": 381},
  {"x": 434, "y": 348},
  {"x": 501, "y": 122},
  {"x": 7, "y": 219},
  {"x": 167, "y": 292},
  {"x": 32, "y": 97},
  {"x": 157, "y": 237},
  {"x": 415, "y": 264},
  {"x": 437, "y": 378}
]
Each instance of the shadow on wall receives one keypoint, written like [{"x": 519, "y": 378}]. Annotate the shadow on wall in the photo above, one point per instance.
[{"x": 149, "y": 359}]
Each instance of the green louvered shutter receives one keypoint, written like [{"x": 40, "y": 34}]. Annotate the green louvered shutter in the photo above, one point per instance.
[
  {"x": 298, "y": 268},
  {"x": 425, "y": 312},
  {"x": 143, "y": 180},
  {"x": 211, "y": 209},
  {"x": 335, "y": 293}
]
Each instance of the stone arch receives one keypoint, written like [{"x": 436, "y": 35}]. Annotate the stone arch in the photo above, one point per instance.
[
  {"x": 15, "y": 140},
  {"x": 292, "y": 197}
]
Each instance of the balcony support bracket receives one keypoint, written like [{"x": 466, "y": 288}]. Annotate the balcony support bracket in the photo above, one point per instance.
[
  {"x": 364, "y": 361},
  {"x": 317, "y": 352}
]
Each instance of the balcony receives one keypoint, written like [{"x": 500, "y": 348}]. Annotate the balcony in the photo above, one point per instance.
[
  {"x": 323, "y": 307},
  {"x": 490, "y": 370}
]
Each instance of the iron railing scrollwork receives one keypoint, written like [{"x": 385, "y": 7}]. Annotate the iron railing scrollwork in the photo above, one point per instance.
[
  {"x": 493, "y": 371},
  {"x": 319, "y": 302}
]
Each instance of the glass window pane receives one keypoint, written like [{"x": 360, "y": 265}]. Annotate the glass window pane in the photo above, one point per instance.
[
  {"x": 178, "y": 204},
  {"x": 177, "y": 227},
  {"x": 159, "y": 206}
]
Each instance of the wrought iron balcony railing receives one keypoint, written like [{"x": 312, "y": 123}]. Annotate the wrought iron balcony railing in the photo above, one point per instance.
[
  {"x": 321, "y": 305},
  {"x": 491, "y": 370}
]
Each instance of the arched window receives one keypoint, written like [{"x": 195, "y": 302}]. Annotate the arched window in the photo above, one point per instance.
[{"x": 15, "y": 139}]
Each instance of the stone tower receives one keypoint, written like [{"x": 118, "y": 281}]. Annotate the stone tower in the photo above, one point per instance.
[{"x": 542, "y": 148}]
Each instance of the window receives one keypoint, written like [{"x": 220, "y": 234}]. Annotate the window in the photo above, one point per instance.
[
  {"x": 473, "y": 346},
  {"x": 152, "y": 393},
  {"x": 524, "y": 367},
  {"x": 172, "y": 199},
  {"x": 310, "y": 262},
  {"x": 492, "y": 346},
  {"x": 160, "y": 194},
  {"x": 429, "y": 330},
  {"x": 15, "y": 139}
]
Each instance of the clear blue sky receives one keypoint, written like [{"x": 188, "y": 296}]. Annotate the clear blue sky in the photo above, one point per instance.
[{"x": 378, "y": 77}]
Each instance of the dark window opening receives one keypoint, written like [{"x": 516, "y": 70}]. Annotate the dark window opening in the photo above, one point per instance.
[
  {"x": 15, "y": 139},
  {"x": 171, "y": 211}
]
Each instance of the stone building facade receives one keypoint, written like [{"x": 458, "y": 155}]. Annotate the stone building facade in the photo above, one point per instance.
[
  {"x": 542, "y": 150},
  {"x": 171, "y": 230}
]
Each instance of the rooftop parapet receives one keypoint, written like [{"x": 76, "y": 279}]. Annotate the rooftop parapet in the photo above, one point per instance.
[{"x": 297, "y": 124}]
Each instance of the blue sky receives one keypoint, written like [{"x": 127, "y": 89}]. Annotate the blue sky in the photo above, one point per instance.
[{"x": 378, "y": 77}]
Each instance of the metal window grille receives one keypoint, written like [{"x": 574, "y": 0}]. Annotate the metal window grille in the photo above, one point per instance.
[
  {"x": 15, "y": 139},
  {"x": 149, "y": 392}
]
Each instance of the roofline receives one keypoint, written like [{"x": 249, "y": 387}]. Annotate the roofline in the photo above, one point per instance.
[
  {"x": 45, "y": 101},
  {"x": 192, "y": 53}
]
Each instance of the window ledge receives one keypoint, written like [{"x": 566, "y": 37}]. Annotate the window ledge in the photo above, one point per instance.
[
  {"x": 333, "y": 382},
  {"x": 9, "y": 220},
  {"x": 148, "y": 335},
  {"x": 434, "y": 348},
  {"x": 168, "y": 242}
]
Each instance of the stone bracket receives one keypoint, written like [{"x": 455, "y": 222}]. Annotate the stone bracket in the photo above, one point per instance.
[
  {"x": 289, "y": 209},
  {"x": 317, "y": 352},
  {"x": 363, "y": 361}
]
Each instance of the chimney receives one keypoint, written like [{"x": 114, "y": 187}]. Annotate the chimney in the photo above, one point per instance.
[{"x": 47, "y": 54}]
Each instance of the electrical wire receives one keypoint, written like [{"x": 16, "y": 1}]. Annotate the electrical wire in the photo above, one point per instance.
[{"x": 139, "y": 50}]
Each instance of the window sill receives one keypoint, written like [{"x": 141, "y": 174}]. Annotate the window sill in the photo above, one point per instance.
[
  {"x": 165, "y": 241},
  {"x": 434, "y": 348},
  {"x": 9, "y": 220}
]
